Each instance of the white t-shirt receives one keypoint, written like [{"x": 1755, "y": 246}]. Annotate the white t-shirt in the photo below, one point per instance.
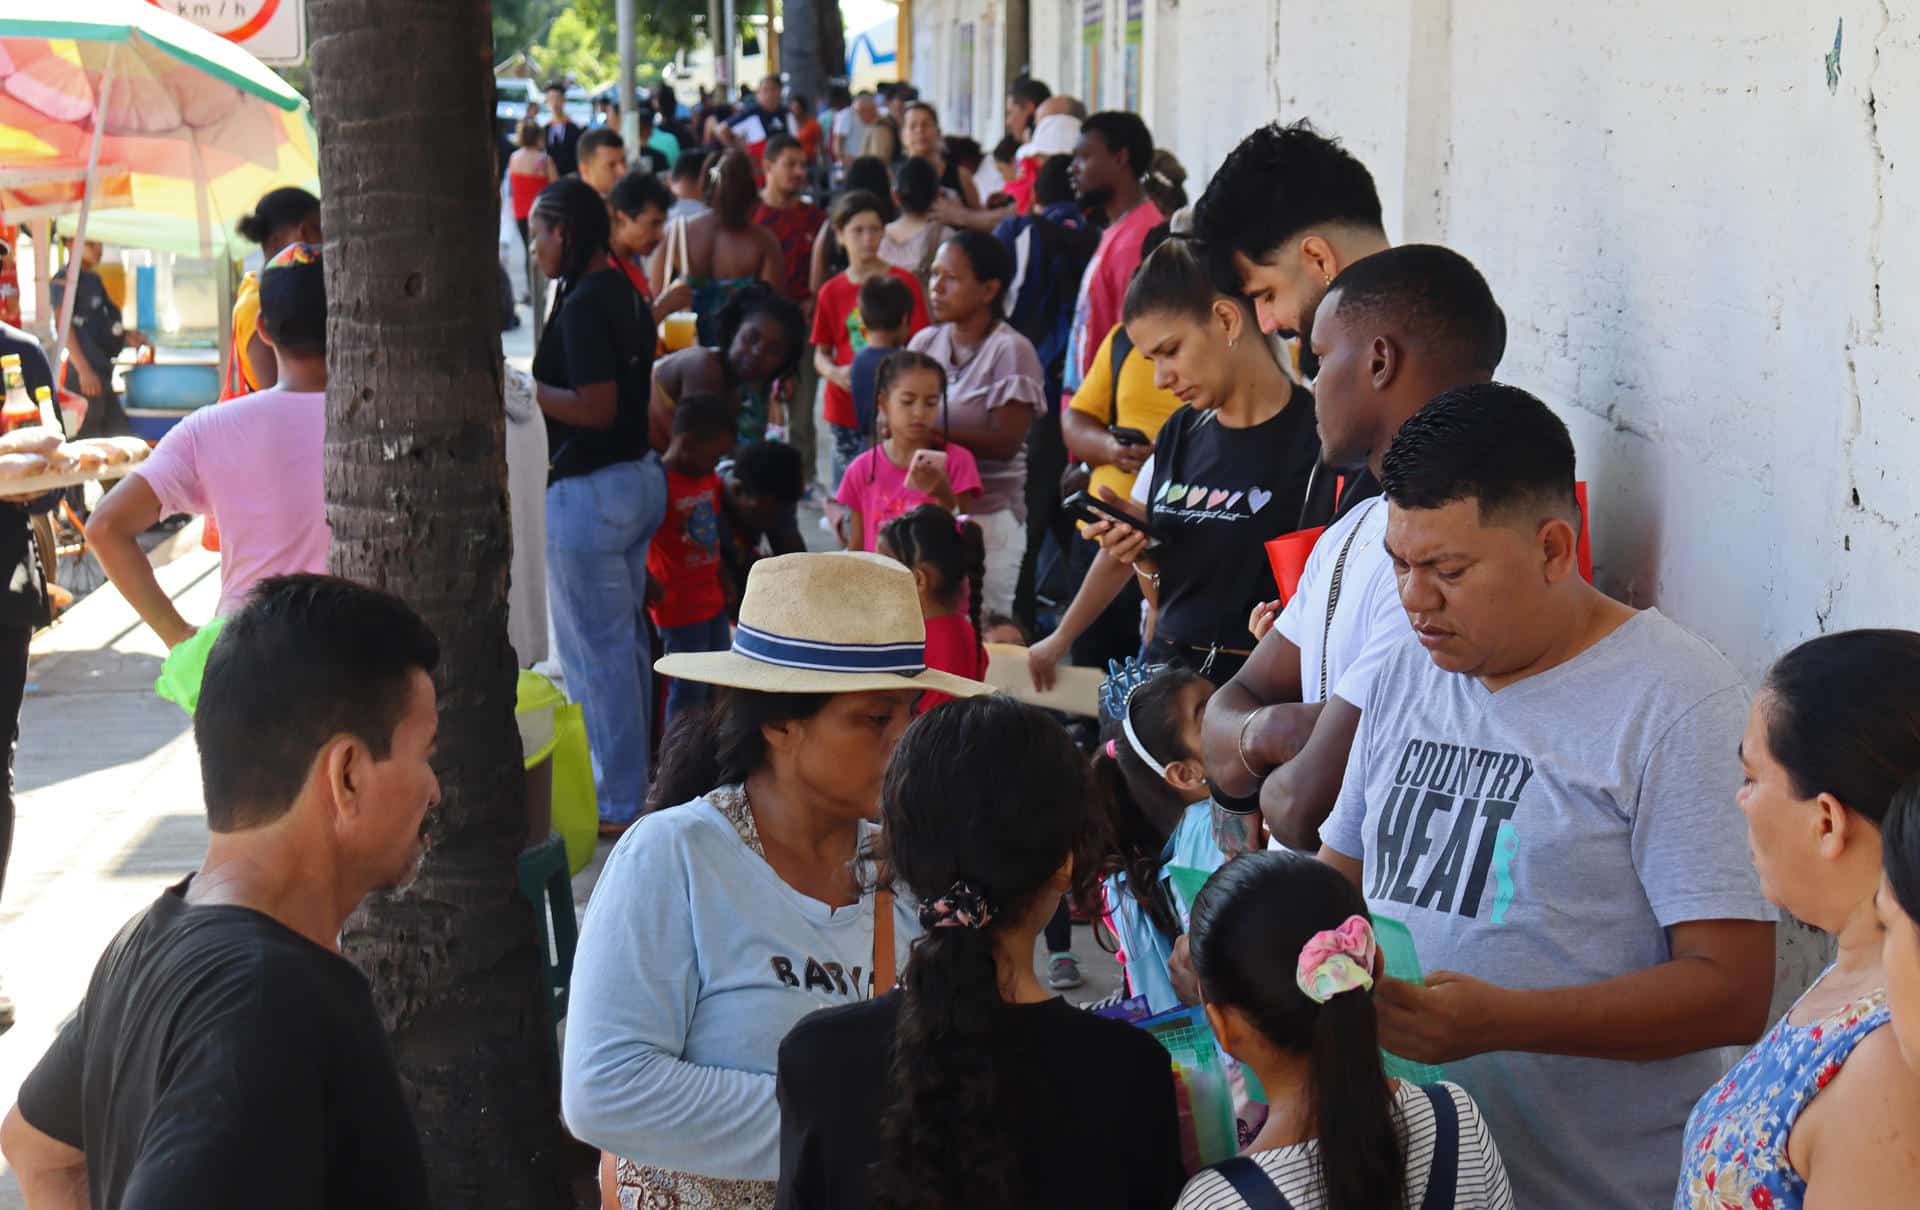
[
  {"x": 1481, "y": 1183},
  {"x": 1368, "y": 620}
]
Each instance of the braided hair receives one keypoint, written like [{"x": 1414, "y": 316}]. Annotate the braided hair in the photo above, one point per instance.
[
  {"x": 981, "y": 855},
  {"x": 953, "y": 551},
  {"x": 580, "y": 215}
]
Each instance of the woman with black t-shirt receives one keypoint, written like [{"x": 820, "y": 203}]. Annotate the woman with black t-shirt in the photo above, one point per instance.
[
  {"x": 606, "y": 490},
  {"x": 947, "y": 1092},
  {"x": 1231, "y": 469}
]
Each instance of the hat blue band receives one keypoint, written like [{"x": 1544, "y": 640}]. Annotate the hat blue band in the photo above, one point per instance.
[{"x": 905, "y": 659}]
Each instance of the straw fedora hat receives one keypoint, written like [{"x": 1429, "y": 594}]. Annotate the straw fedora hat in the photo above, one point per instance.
[{"x": 826, "y": 623}]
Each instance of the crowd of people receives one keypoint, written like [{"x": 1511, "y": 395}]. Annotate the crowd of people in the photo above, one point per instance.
[{"x": 1468, "y": 873}]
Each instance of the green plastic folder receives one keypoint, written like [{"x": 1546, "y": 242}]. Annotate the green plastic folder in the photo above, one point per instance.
[{"x": 1402, "y": 961}]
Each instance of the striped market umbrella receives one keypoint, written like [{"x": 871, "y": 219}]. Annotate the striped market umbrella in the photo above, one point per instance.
[{"x": 150, "y": 131}]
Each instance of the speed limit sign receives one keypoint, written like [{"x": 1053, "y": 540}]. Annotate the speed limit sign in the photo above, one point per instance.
[{"x": 272, "y": 31}]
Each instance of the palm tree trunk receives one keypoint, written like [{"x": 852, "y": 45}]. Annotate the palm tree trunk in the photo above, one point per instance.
[{"x": 417, "y": 500}]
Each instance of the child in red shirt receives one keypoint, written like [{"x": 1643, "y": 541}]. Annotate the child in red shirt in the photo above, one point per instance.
[
  {"x": 839, "y": 331},
  {"x": 948, "y": 559},
  {"x": 684, "y": 594}
]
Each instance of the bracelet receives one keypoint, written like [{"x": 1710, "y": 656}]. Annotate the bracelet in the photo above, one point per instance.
[
  {"x": 1240, "y": 745},
  {"x": 1151, "y": 577}
]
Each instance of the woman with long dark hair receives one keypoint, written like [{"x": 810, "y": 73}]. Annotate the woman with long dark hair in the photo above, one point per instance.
[
  {"x": 723, "y": 251},
  {"x": 995, "y": 390},
  {"x": 946, "y": 1094},
  {"x": 1242, "y": 451},
  {"x": 746, "y": 899},
  {"x": 606, "y": 490},
  {"x": 1832, "y": 736},
  {"x": 1286, "y": 957}
]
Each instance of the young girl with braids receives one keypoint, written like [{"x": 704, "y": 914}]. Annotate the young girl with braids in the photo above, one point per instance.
[
  {"x": 1154, "y": 784},
  {"x": 945, "y": 1093},
  {"x": 915, "y": 464},
  {"x": 1286, "y": 957},
  {"x": 948, "y": 560}
]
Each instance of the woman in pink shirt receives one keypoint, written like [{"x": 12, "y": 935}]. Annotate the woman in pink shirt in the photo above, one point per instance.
[{"x": 254, "y": 464}]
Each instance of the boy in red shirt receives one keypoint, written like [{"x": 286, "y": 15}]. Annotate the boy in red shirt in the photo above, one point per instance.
[{"x": 684, "y": 594}]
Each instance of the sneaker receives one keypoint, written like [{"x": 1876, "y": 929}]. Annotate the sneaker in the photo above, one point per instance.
[{"x": 1063, "y": 972}]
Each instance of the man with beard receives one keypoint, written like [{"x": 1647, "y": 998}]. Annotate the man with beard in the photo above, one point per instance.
[
  {"x": 1288, "y": 210},
  {"x": 1113, "y": 155},
  {"x": 226, "y": 1053}
]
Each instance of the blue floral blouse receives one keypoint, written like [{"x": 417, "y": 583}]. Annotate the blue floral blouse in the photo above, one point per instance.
[{"x": 1735, "y": 1157}]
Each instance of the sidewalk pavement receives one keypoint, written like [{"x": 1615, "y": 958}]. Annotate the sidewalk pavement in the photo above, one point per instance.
[{"x": 109, "y": 814}]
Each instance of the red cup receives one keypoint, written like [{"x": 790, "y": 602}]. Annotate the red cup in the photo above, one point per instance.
[{"x": 1287, "y": 555}]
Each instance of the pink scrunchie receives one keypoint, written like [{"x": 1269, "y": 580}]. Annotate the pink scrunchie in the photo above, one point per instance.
[{"x": 1337, "y": 960}]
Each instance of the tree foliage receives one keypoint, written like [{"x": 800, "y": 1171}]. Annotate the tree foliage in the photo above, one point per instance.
[{"x": 518, "y": 24}]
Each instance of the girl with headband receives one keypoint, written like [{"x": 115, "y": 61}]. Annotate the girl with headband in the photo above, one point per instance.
[
  {"x": 1286, "y": 957},
  {"x": 1155, "y": 782},
  {"x": 947, "y": 1093}
]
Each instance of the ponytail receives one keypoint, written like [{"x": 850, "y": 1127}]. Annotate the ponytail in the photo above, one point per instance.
[
  {"x": 955, "y": 551},
  {"x": 1251, "y": 920},
  {"x": 980, "y": 855},
  {"x": 1361, "y": 1157}
]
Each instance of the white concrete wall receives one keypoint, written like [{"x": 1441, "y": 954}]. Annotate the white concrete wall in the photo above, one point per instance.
[
  {"x": 1700, "y": 247},
  {"x": 938, "y": 69}
]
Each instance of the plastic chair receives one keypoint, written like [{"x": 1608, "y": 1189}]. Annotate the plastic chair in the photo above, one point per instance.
[{"x": 547, "y": 884}]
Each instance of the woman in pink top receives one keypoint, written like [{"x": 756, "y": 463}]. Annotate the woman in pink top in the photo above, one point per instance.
[
  {"x": 948, "y": 559},
  {"x": 916, "y": 464},
  {"x": 254, "y": 463}
]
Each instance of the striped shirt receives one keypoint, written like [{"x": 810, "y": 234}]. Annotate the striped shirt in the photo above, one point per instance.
[{"x": 1481, "y": 1185}]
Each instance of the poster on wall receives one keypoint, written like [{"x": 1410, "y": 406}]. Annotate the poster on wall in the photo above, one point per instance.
[
  {"x": 1093, "y": 37},
  {"x": 963, "y": 82},
  {"x": 1130, "y": 55}
]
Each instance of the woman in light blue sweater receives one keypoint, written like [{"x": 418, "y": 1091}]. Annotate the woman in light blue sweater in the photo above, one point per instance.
[{"x": 745, "y": 900}]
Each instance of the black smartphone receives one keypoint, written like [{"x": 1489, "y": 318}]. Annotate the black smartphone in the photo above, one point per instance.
[
  {"x": 1084, "y": 507},
  {"x": 1127, "y": 436}
]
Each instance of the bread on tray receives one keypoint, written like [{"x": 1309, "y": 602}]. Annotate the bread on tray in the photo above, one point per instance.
[{"x": 32, "y": 440}]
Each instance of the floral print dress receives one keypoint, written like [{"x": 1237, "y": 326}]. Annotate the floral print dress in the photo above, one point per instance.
[{"x": 1735, "y": 1157}]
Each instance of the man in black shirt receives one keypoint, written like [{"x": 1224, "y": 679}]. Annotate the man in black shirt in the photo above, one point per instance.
[{"x": 226, "y": 1055}]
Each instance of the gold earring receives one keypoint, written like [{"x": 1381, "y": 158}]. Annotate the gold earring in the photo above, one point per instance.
[{"x": 1326, "y": 278}]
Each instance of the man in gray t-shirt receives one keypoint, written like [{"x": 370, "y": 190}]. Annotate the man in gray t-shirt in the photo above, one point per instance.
[{"x": 1544, "y": 797}]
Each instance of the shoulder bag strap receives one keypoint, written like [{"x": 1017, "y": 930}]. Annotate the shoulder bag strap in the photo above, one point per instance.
[
  {"x": 1122, "y": 348},
  {"x": 1333, "y": 598},
  {"x": 1444, "y": 1177},
  {"x": 882, "y": 968},
  {"x": 1253, "y": 1184},
  {"x": 676, "y": 247}
]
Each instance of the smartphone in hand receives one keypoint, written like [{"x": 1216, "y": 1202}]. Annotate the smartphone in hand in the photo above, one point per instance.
[
  {"x": 1127, "y": 436},
  {"x": 1084, "y": 507}
]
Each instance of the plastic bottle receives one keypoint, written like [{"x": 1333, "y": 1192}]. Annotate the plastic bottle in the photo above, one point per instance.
[{"x": 19, "y": 410}]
